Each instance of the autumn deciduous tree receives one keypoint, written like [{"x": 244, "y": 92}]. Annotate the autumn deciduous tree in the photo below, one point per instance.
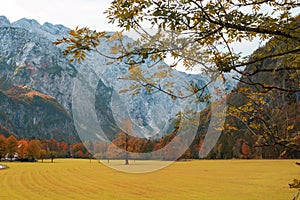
[
  {"x": 52, "y": 145},
  {"x": 52, "y": 155},
  {"x": 122, "y": 139},
  {"x": 3, "y": 147},
  {"x": 34, "y": 149},
  {"x": 270, "y": 117},
  {"x": 43, "y": 155},
  {"x": 79, "y": 150},
  {"x": 63, "y": 149},
  {"x": 22, "y": 148},
  {"x": 12, "y": 146},
  {"x": 246, "y": 149}
]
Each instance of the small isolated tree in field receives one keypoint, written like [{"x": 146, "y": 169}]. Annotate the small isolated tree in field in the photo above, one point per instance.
[{"x": 122, "y": 142}]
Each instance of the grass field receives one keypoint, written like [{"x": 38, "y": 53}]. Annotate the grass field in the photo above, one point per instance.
[{"x": 198, "y": 179}]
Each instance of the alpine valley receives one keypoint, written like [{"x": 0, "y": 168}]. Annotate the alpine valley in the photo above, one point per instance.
[
  {"x": 41, "y": 93},
  {"x": 37, "y": 83}
]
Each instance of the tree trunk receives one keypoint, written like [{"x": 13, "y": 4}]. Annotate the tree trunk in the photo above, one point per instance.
[
  {"x": 126, "y": 159},
  {"x": 126, "y": 149}
]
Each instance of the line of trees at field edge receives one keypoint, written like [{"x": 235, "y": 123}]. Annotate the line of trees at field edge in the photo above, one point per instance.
[{"x": 12, "y": 148}]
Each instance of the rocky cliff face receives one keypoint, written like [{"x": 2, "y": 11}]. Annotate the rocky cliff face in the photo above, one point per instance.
[
  {"x": 30, "y": 114},
  {"x": 4, "y": 21},
  {"x": 28, "y": 58}
]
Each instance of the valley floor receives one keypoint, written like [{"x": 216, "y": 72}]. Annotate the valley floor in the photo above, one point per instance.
[{"x": 197, "y": 179}]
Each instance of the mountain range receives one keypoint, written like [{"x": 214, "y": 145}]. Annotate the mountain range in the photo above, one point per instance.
[{"x": 38, "y": 87}]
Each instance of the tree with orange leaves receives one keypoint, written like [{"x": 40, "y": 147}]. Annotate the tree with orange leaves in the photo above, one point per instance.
[
  {"x": 246, "y": 150},
  {"x": 12, "y": 146},
  {"x": 3, "y": 146},
  {"x": 34, "y": 149},
  {"x": 22, "y": 148}
]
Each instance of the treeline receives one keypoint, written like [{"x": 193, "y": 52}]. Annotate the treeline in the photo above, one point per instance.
[
  {"x": 230, "y": 145},
  {"x": 12, "y": 148},
  {"x": 170, "y": 147},
  {"x": 234, "y": 143}
]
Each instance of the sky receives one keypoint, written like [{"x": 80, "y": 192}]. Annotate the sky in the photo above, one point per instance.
[{"x": 70, "y": 13}]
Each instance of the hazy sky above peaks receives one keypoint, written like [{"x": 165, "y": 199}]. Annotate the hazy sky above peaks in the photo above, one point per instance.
[{"x": 70, "y": 13}]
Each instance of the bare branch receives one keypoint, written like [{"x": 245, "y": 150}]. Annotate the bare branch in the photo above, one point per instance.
[{"x": 267, "y": 87}]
